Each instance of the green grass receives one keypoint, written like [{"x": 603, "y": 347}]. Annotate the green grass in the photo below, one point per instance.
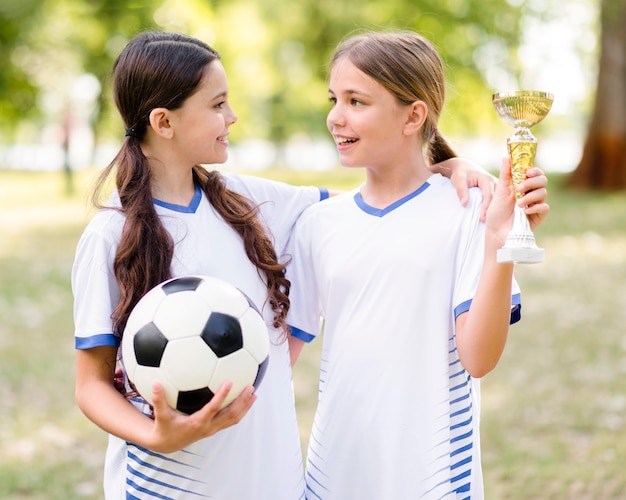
[{"x": 554, "y": 410}]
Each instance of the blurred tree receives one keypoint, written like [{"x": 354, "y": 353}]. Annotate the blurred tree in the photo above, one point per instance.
[
  {"x": 275, "y": 51},
  {"x": 106, "y": 26},
  {"x": 459, "y": 29},
  {"x": 17, "y": 92},
  {"x": 45, "y": 44},
  {"x": 603, "y": 164}
]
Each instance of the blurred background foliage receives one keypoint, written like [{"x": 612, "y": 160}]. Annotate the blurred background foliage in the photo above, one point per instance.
[{"x": 275, "y": 53}]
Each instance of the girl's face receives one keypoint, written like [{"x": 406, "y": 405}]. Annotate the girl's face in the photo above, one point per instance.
[
  {"x": 202, "y": 123},
  {"x": 366, "y": 120}
]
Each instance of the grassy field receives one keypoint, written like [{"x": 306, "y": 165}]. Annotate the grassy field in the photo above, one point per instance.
[{"x": 554, "y": 410}]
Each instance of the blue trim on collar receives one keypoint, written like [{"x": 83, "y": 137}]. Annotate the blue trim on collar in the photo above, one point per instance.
[
  {"x": 380, "y": 212},
  {"x": 191, "y": 209}
]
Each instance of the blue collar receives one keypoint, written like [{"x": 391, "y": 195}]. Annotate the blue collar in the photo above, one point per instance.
[
  {"x": 191, "y": 209},
  {"x": 379, "y": 212}
]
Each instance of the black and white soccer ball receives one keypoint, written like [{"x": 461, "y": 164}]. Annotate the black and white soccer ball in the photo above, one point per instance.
[{"x": 192, "y": 334}]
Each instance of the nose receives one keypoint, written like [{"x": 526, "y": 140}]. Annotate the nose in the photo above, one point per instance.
[
  {"x": 232, "y": 117},
  {"x": 334, "y": 117}
]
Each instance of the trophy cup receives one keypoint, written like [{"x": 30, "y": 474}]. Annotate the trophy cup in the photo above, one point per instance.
[{"x": 521, "y": 109}]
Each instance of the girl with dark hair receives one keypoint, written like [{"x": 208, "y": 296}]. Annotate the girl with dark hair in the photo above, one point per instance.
[
  {"x": 416, "y": 309},
  {"x": 168, "y": 217},
  {"x": 171, "y": 217}
]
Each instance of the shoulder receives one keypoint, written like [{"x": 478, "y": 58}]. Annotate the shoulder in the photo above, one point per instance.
[
  {"x": 105, "y": 226},
  {"x": 107, "y": 220},
  {"x": 280, "y": 204},
  {"x": 332, "y": 207},
  {"x": 338, "y": 202},
  {"x": 443, "y": 188},
  {"x": 261, "y": 189}
]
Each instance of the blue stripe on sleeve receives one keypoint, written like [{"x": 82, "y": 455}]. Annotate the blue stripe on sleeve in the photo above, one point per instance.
[
  {"x": 100, "y": 340},
  {"x": 301, "y": 334},
  {"x": 516, "y": 308},
  {"x": 462, "y": 308},
  {"x": 324, "y": 195}
]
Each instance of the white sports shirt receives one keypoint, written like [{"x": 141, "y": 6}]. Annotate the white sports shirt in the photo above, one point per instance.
[
  {"x": 259, "y": 458},
  {"x": 397, "y": 417}
]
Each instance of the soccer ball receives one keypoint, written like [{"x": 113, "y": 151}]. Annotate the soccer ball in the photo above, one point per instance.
[{"x": 191, "y": 334}]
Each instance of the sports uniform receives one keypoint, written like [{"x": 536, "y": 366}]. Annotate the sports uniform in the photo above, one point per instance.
[
  {"x": 398, "y": 415},
  {"x": 260, "y": 457}
]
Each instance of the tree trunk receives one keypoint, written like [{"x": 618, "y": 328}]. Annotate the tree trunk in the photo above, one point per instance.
[{"x": 603, "y": 163}]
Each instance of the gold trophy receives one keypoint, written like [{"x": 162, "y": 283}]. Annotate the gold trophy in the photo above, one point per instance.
[{"x": 521, "y": 109}]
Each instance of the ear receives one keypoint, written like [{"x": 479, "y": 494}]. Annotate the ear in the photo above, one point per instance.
[
  {"x": 159, "y": 122},
  {"x": 417, "y": 114}
]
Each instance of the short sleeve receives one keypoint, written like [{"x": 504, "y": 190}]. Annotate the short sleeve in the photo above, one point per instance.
[
  {"x": 94, "y": 286},
  {"x": 280, "y": 204},
  {"x": 469, "y": 266},
  {"x": 305, "y": 313}
]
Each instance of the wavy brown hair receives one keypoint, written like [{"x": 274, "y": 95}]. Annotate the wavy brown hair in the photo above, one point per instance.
[
  {"x": 161, "y": 69},
  {"x": 410, "y": 68}
]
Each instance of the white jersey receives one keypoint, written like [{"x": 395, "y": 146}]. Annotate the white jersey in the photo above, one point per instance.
[
  {"x": 398, "y": 415},
  {"x": 259, "y": 458}
]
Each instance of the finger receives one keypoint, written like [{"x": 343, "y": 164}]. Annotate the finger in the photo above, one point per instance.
[
  {"x": 532, "y": 183},
  {"x": 537, "y": 214},
  {"x": 241, "y": 404},
  {"x": 533, "y": 197},
  {"x": 534, "y": 172},
  {"x": 462, "y": 190},
  {"x": 218, "y": 398},
  {"x": 232, "y": 413},
  {"x": 159, "y": 402},
  {"x": 537, "y": 208},
  {"x": 487, "y": 186},
  {"x": 504, "y": 179}
]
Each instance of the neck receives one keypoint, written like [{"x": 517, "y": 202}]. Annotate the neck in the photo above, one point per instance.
[
  {"x": 384, "y": 187},
  {"x": 172, "y": 185},
  {"x": 172, "y": 178}
]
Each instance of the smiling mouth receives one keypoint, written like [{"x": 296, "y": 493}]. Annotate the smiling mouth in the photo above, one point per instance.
[{"x": 340, "y": 141}]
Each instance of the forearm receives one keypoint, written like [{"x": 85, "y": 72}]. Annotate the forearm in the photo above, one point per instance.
[
  {"x": 109, "y": 410},
  {"x": 482, "y": 331},
  {"x": 447, "y": 167},
  {"x": 100, "y": 401},
  {"x": 295, "y": 348}
]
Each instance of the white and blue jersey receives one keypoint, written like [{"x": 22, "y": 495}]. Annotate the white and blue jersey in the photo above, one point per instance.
[
  {"x": 258, "y": 458},
  {"x": 398, "y": 414}
]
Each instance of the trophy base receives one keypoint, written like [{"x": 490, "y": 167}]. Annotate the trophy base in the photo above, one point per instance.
[{"x": 520, "y": 255}]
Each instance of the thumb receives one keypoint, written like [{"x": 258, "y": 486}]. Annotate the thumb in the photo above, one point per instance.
[
  {"x": 505, "y": 172},
  {"x": 159, "y": 402}
]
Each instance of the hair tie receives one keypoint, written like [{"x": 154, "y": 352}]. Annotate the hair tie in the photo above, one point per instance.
[
  {"x": 434, "y": 133},
  {"x": 131, "y": 132}
]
